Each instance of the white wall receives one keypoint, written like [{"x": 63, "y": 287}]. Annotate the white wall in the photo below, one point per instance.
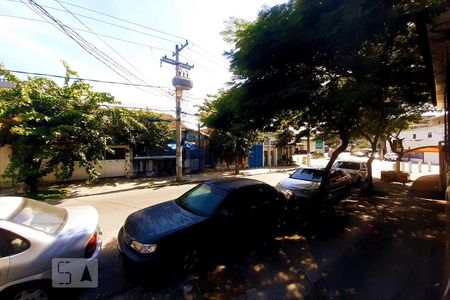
[{"x": 110, "y": 168}]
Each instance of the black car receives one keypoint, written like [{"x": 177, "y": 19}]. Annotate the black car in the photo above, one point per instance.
[{"x": 214, "y": 212}]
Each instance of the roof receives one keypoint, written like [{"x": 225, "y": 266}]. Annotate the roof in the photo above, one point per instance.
[
  {"x": 8, "y": 205},
  {"x": 232, "y": 183}
]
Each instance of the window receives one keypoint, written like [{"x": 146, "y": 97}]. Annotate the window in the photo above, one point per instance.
[
  {"x": 40, "y": 216},
  {"x": 308, "y": 175},
  {"x": 119, "y": 153},
  {"x": 15, "y": 243},
  {"x": 430, "y": 134},
  {"x": 202, "y": 200},
  {"x": 414, "y": 136},
  {"x": 347, "y": 165}
]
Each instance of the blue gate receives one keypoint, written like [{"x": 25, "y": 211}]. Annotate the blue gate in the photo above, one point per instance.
[{"x": 255, "y": 157}]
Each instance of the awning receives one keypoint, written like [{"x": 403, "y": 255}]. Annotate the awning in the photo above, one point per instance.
[{"x": 434, "y": 149}]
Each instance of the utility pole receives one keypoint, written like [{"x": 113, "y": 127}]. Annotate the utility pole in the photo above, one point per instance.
[{"x": 181, "y": 83}]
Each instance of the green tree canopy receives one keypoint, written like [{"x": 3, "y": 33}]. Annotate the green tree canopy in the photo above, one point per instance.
[
  {"x": 143, "y": 130},
  {"x": 330, "y": 61},
  {"x": 50, "y": 127}
]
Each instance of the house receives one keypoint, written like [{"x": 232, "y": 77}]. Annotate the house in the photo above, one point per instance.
[
  {"x": 430, "y": 131},
  {"x": 267, "y": 154}
]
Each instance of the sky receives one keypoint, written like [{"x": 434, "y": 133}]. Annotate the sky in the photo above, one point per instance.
[{"x": 133, "y": 49}]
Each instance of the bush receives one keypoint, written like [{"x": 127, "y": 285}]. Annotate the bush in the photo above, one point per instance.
[{"x": 50, "y": 194}]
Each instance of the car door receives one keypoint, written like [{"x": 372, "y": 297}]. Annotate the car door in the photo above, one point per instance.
[
  {"x": 247, "y": 208},
  {"x": 20, "y": 264},
  {"x": 4, "y": 260}
]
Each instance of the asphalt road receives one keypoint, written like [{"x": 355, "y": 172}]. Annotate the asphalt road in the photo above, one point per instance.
[{"x": 113, "y": 209}]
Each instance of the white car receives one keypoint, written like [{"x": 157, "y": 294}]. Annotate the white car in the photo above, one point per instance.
[
  {"x": 356, "y": 169},
  {"x": 390, "y": 156},
  {"x": 32, "y": 233}
]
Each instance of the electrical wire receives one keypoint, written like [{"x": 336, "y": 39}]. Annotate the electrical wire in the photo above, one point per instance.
[
  {"x": 217, "y": 59},
  {"x": 98, "y": 36},
  {"x": 87, "y": 31},
  {"x": 88, "y": 47},
  {"x": 87, "y": 79}
]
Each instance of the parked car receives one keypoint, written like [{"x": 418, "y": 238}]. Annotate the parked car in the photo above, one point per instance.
[
  {"x": 32, "y": 233},
  {"x": 302, "y": 186},
  {"x": 390, "y": 156},
  {"x": 216, "y": 211},
  {"x": 359, "y": 153},
  {"x": 415, "y": 157},
  {"x": 357, "y": 170}
]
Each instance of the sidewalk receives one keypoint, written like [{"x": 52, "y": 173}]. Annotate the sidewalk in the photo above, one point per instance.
[{"x": 113, "y": 185}]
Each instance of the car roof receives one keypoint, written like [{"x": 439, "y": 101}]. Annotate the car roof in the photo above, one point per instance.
[
  {"x": 233, "y": 183},
  {"x": 8, "y": 205}
]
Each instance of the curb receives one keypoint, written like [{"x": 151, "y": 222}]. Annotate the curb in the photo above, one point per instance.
[{"x": 175, "y": 183}]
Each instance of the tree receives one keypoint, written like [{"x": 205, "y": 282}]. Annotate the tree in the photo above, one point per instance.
[
  {"x": 50, "y": 127},
  {"x": 230, "y": 140},
  {"x": 383, "y": 123},
  {"x": 143, "y": 130},
  {"x": 284, "y": 138},
  {"x": 330, "y": 61}
]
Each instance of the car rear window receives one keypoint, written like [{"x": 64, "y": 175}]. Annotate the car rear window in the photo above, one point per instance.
[
  {"x": 347, "y": 165},
  {"x": 308, "y": 175},
  {"x": 40, "y": 216}
]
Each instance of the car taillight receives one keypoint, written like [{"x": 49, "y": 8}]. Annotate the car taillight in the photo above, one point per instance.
[{"x": 91, "y": 246}]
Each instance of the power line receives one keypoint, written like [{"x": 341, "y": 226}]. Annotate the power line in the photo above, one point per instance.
[
  {"x": 106, "y": 22},
  {"x": 212, "y": 57},
  {"x": 87, "y": 79},
  {"x": 127, "y": 21},
  {"x": 88, "y": 47},
  {"x": 138, "y": 107},
  {"x": 87, "y": 31},
  {"x": 109, "y": 46}
]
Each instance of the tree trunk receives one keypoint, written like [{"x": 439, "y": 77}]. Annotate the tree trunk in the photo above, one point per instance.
[
  {"x": 308, "y": 149},
  {"x": 334, "y": 156},
  {"x": 369, "y": 166},
  {"x": 396, "y": 151},
  {"x": 32, "y": 184},
  {"x": 236, "y": 165}
]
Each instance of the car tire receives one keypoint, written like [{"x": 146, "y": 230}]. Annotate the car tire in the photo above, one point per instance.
[
  {"x": 190, "y": 260},
  {"x": 38, "y": 291}
]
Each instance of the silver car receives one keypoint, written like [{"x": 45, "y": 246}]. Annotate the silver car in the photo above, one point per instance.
[
  {"x": 390, "y": 156},
  {"x": 302, "y": 186},
  {"x": 32, "y": 233},
  {"x": 356, "y": 169}
]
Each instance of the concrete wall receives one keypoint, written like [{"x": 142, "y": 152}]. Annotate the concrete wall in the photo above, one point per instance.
[
  {"x": 109, "y": 168},
  {"x": 4, "y": 161}
]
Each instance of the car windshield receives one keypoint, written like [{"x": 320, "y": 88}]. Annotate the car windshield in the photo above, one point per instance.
[
  {"x": 308, "y": 175},
  {"x": 202, "y": 200},
  {"x": 347, "y": 165},
  {"x": 40, "y": 216}
]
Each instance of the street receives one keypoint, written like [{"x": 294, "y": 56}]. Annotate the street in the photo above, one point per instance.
[
  {"x": 322, "y": 256},
  {"x": 113, "y": 209}
]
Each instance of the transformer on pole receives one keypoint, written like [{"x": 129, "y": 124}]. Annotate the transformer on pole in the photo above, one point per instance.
[{"x": 181, "y": 83}]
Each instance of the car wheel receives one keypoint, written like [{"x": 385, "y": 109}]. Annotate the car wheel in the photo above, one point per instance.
[
  {"x": 26, "y": 292},
  {"x": 190, "y": 260}
]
